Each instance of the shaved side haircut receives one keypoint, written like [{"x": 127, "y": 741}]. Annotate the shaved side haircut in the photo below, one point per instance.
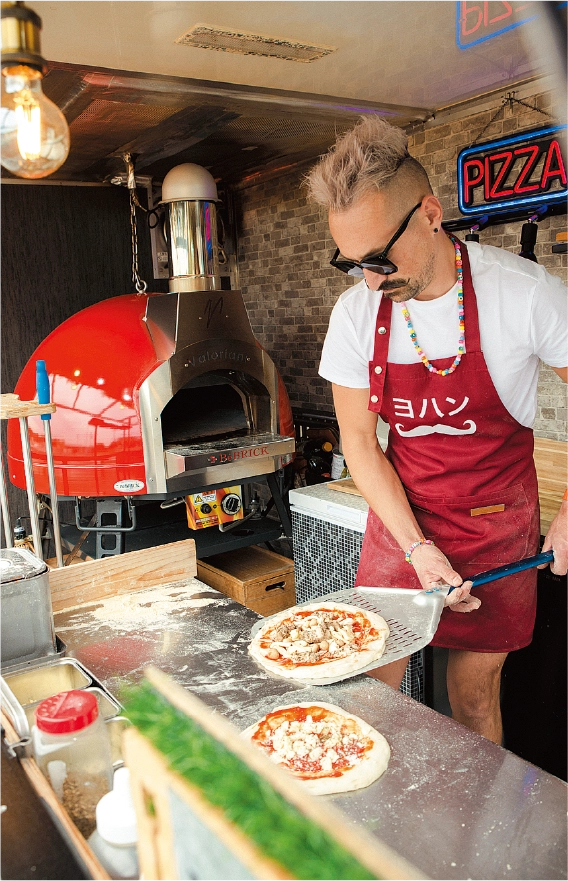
[{"x": 372, "y": 156}]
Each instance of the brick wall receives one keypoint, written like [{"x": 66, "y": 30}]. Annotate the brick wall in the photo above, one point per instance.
[
  {"x": 285, "y": 247},
  {"x": 289, "y": 288}
]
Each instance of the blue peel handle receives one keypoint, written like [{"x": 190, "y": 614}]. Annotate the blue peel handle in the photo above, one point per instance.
[
  {"x": 42, "y": 385},
  {"x": 510, "y": 569}
]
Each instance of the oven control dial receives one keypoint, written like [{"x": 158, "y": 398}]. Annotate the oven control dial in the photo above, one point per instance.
[{"x": 231, "y": 504}]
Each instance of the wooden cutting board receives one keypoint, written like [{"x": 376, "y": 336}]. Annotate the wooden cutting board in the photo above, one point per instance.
[
  {"x": 551, "y": 460},
  {"x": 346, "y": 485}
]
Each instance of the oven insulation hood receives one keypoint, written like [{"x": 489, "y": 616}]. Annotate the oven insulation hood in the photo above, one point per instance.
[{"x": 114, "y": 368}]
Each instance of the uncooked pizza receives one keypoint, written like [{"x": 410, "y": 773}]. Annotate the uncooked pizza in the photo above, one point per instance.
[
  {"x": 328, "y": 749},
  {"x": 320, "y": 641}
]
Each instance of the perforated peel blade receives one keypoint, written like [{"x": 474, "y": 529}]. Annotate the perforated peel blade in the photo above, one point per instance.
[{"x": 412, "y": 617}]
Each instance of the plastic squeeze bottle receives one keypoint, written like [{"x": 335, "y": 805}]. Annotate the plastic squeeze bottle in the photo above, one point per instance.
[{"x": 114, "y": 840}]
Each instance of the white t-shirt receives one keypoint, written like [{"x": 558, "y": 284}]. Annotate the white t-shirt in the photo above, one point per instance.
[{"x": 523, "y": 318}]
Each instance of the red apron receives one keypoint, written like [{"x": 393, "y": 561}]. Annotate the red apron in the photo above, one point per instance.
[{"x": 456, "y": 450}]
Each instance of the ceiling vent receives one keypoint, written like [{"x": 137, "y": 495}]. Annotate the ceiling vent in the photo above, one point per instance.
[{"x": 206, "y": 37}]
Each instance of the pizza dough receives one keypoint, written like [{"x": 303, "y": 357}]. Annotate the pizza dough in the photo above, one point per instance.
[
  {"x": 320, "y": 641},
  {"x": 326, "y": 748}
]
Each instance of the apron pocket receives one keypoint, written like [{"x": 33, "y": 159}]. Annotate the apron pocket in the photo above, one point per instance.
[{"x": 485, "y": 540}]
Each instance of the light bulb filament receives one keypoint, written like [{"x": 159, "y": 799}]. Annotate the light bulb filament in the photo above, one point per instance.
[{"x": 28, "y": 120}]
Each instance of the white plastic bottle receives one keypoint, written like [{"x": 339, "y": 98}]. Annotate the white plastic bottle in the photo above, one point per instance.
[{"x": 114, "y": 840}]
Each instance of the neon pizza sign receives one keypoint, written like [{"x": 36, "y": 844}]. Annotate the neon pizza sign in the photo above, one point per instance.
[
  {"x": 477, "y": 22},
  {"x": 515, "y": 172}
]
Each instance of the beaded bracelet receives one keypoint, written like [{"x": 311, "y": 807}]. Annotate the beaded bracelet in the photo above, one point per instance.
[{"x": 422, "y": 541}]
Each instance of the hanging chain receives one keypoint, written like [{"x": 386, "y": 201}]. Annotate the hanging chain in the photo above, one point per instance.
[
  {"x": 140, "y": 284},
  {"x": 510, "y": 100},
  {"x": 530, "y": 107}
]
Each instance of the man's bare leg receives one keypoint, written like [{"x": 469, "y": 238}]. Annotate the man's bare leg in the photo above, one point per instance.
[
  {"x": 474, "y": 685},
  {"x": 391, "y": 674}
]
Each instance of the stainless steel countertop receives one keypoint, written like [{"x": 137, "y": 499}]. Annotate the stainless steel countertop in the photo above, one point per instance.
[{"x": 452, "y": 803}]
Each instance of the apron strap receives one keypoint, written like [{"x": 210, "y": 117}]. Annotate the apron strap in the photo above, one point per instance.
[
  {"x": 378, "y": 366},
  {"x": 471, "y": 318}
]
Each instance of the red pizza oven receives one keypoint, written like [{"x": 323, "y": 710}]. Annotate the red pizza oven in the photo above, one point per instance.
[{"x": 160, "y": 393}]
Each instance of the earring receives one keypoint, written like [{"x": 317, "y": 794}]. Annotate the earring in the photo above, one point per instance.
[{"x": 435, "y": 229}]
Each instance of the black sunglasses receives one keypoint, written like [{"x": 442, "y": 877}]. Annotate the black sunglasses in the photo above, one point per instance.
[{"x": 378, "y": 262}]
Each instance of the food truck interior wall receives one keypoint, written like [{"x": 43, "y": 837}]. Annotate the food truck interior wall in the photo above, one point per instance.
[
  {"x": 66, "y": 247},
  {"x": 285, "y": 247}
]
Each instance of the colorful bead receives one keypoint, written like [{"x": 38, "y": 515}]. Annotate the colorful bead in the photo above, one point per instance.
[
  {"x": 461, "y": 341},
  {"x": 416, "y": 544}
]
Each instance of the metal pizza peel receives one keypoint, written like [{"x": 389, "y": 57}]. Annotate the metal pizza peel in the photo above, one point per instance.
[{"x": 412, "y": 615}]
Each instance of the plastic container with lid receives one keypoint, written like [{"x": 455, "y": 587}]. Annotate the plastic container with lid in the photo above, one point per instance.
[
  {"x": 114, "y": 840},
  {"x": 72, "y": 748}
]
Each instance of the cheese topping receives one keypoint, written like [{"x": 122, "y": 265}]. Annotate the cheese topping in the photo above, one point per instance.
[{"x": 310, "y": 747}]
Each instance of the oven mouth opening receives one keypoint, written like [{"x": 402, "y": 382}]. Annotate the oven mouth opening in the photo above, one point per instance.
[{"x": 212, "y": 412}]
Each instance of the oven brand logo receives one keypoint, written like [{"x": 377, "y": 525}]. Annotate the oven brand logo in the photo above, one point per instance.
[
  {"x": 515, "y": 172},
  {"x": 235, "y": 455},
  {"x": 129, "y": 486},
  {"x": 216, "y": 355}
]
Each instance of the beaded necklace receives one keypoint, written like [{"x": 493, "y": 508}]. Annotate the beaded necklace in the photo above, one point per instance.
[{"x": 461, "y": 342}]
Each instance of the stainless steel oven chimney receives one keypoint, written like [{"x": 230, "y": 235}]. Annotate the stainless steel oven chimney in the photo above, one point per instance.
[{"x": 189, "y": 194}]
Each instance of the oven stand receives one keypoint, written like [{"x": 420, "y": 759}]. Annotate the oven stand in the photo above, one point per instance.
[
  {"x": 276, "y": 491},
  {"x": 108, "y": 525}
]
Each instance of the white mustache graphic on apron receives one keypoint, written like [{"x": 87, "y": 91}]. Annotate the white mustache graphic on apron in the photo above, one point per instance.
[{"x": 439, "y": 428}]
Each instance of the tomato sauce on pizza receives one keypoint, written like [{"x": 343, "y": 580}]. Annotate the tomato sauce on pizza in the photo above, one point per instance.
[{"x": 312, "y": 741}]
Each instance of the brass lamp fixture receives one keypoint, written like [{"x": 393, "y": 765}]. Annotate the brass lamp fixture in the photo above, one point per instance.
[{"x": 34, "y": 135}]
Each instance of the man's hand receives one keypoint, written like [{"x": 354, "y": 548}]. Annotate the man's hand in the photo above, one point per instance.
[
  {"x": 434, "y": 570},
  {"x": 557, "y": 541}
]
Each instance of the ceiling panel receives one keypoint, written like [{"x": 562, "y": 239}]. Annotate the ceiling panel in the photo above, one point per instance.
[{"x": 387, "y": 51}]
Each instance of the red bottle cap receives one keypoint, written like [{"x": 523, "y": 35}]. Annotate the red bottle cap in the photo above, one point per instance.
[{"x": 66, "y": 712}]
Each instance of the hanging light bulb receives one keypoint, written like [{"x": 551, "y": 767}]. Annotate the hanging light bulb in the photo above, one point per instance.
[{"x": 34, "y": 135}]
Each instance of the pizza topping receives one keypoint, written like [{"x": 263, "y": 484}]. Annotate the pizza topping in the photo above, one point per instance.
[
  {"x": 326, "y": 745},
  {"x": 312, "y": 637}
]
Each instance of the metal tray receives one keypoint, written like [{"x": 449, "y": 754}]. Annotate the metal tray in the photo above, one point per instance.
[
  {"x": 28, "y": 687},
  {"x": 38, "y": 683}
]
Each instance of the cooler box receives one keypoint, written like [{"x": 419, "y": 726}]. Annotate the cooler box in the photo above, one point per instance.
[{"x": 327, "y": 531}]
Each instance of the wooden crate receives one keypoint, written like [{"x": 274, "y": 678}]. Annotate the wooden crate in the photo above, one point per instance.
[{"x": 258, "y": 579}]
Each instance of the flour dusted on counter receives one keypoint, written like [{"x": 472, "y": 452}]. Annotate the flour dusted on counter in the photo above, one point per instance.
[{"x": 151, "y": 608}]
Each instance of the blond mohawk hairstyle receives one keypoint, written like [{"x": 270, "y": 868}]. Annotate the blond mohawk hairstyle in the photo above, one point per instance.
[{"x": 363, "y": 159}]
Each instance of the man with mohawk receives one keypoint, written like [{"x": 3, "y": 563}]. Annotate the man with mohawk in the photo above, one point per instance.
[{"x": 444, "y": 342}]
